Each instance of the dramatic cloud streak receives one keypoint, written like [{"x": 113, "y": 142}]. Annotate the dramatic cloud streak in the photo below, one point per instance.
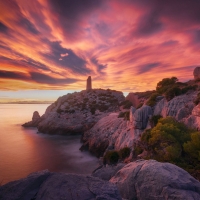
[{"x": 127, "y": 45}]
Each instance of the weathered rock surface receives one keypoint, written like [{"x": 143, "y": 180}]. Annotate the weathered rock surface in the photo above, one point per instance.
[
  {"x": 77, "y": 187},
  {"x": 24, "y": 189},
  {"x": 140, "y": 117},
  {"x": 36, "y": 119},
  {"x": 77, "y": 112},
  {"x": 110, "y": 131},
  {"x": 149, "y": 179},
  {"x": 179, "y": 107},
  {"x": 196, "y": 73},
  {"x": 107, "y": 172},
  {"x": 46, "y": 185}
]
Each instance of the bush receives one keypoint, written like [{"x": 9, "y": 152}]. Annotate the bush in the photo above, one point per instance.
[
  {"x": 192, "y": 147},
  {"x": 124, "y": 152},
  {"x": 172, "y": 92},
  {"x": 125, "y": 115},
  {"x": 126, "y": 104},
  {"x": 188, "y": 88},
  {"x": 140, "y": 105},
  {"x": 165, "y": 84},
  {"x": 121, "y": 115},
  {"x": 137, "y": 151},
  {"x": 111, "y": 157},
  {"x": 171, "y": 141},
  {"x": 197, "y": 100},
  {"x": 154, "y": 120},
  {"x": 152, "y": 100}
]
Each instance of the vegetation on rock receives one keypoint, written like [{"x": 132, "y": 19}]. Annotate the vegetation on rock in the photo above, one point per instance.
[
  {"x": 152, "y": 100},
  {"x": 197, "y": 100},
  {"x": 125, "y": 115},
  {"x": 111, "y": 157},
  {"x": 172, "y": 141},
  {"x": 170, "y": 87},
  {"x": 124, "y": 152},
  {"x": 126, "y": 104}
]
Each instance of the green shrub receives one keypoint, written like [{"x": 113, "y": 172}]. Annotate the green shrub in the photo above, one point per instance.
[
  {"x": 197, "y": 100},
  {"x": 172, "y": 92},
  {"x": 121, "y": 115},
  {"x": 137, "y": 151},
  {"x": 111, "y": 157},
  {"x": 125, "y": 115},
  {"x": 124, "y": 152},
  {"x": 152, "y": 100},
  {"x": 192, "y": 147},
  {"x": 140, "y": 105},
  {"x": 165, "y": 84},
  {"x": 188, "y": 88},
  {"x": 154, "y": 120},
  {"x": 128, "y": 105}
]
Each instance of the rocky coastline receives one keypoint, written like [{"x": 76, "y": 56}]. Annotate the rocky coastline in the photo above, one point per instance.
[{"x": 107, "y": 121}]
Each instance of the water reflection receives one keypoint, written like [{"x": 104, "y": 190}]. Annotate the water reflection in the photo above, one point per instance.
[{"x": 22, "y": 151}]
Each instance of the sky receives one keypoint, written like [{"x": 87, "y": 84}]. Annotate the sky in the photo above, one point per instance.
[{"x": 49, "y": 47}]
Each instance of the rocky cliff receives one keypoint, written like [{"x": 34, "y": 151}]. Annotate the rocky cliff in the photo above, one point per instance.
[
  {"x": 112, "y": 132},
  {"x": 77, "y": 112}
]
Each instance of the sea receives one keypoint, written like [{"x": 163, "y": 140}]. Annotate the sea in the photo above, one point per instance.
[{"x": 24, "y": 150}]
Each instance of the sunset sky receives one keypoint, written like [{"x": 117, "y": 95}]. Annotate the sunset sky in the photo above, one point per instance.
[{"x": 49, "y": 47}]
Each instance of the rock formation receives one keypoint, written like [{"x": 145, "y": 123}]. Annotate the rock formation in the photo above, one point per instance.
[
  {"x": 142, "y": 180},
  {"x": 133, "y": 99},
  {"x": 140, "y": 117},
  {"x": 179, "y": 107},
  {"x": 77, "y": 112},
  {"x": 89, "y": 83},
  {"x": 45, "y": 185},
  {"x": 196, "y": 73},
  {"x": 149, "y": 179},
  {"x": 36, "y": 119},
  {"x": 113, "y": 132}
]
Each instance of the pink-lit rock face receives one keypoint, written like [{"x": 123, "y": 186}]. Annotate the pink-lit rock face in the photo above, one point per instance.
[
  {"x": 133, "y": 99},
  {"x": 196, "y": 73},
  {"x": 149, "y": 179}
]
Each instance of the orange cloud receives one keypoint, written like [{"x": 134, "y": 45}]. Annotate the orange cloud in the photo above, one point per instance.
[{"x": 124, "y": 45}]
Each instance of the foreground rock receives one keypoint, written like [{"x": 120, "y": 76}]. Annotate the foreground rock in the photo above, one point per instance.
[
  {"x": 36, "y": 119},
  {"x": 24, "y": 189},
  {"x": 45, "y": 185},
  {"x": 77, "y": 112},
  {"x": 149, "y": 179},
  {"x": 108, "y": 171}
]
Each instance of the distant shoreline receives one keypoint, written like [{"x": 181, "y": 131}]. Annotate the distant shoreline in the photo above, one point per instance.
[{"x": 28, "y": 103}]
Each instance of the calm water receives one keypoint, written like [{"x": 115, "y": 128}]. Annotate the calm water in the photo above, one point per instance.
[{"x": 23, "y": 151}]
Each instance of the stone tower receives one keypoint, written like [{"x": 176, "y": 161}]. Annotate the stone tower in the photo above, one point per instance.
[
  {"x": 89, "y": 83},
  {"x": 196, "y": 73}
]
